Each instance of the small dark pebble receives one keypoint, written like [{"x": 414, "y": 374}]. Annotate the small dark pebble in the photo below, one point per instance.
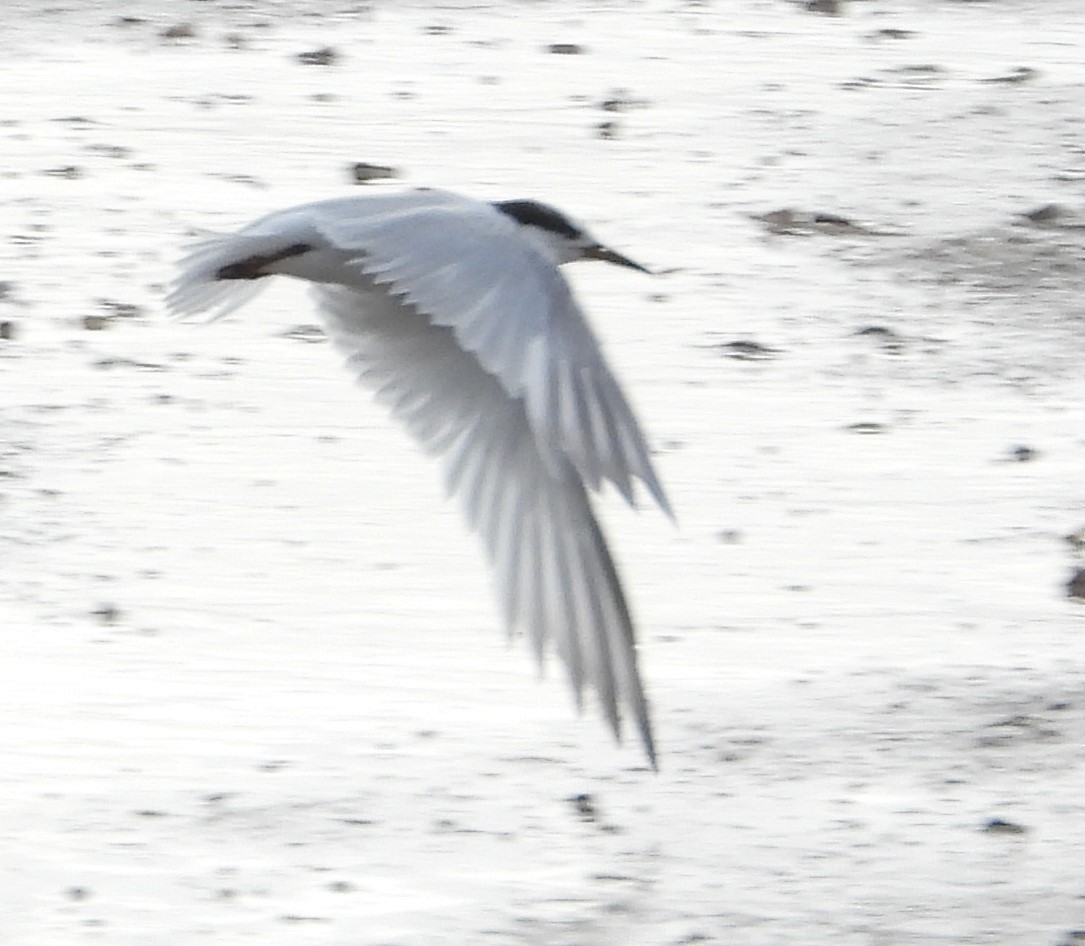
[
  {"x": 1075, "y": 587},
  {"x": 1044, "y": 215},
  {"x": 1020, "y": 74},
  {"x": 77, "y": 893},
  {"x": 790, "y": 222},
  {"x": 1023, "y": 454},
  {"x": 109, "y": 363},
  {"x": 585, "y": 807},
  {"x": 107, "y": 613},
  {"x": 95, "y": 323},
  {"x": 362, "y": 172},
  {"x": 179, "y": 31},
  {"x": 69, "y": 172},
  {"x": 7, "y": 289},
  {"x": 892, "y": 33},
  {"x": 110, "y": 151},
  {"x": 830, "y": 7},
  {"x": 745, "y": 350},
  {"x": 326, "y": 56},
  {"x": 8, "y": 330},
  {"x": 834, "y": 220},
  {"x": 566, "y": 49},
  {"x": 607, "y": 130},
  {"x": 879, "y": 331},
  {"x": 919, "y": 69},
  {"x": 620, "y": 100},
  {"x": 1001, "y": 826},
  {"x": 866, "y": 427},
  {"x": 437, "y": 30},
  {"x": 890, "y": 340}
]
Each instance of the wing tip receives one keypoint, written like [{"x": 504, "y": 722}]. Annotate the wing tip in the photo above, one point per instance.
[{"x": 201, "y": 288}]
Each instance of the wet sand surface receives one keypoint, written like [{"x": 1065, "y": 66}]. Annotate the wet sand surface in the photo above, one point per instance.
[{"x": 254, "y": 687}]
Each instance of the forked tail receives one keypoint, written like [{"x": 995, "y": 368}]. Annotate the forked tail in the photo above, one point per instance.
[{"x": 221, "y": 273}]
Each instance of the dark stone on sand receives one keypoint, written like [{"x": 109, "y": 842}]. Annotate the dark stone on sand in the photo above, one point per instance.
[
  {"x": 69, "y": 172},
  {"x": 1044, "y": 215},
  {"x": 325, "y": 56},
  {"x": 1018, "y": 75},
  {"x": 585, "y": 807},
  {"x": 748, "y": 350},
  {"x": 107, "y": 613},
  {"x": 566, "y": 49},
  {"x": 362, "y": 172},
  {"x": 1075, "y": 587},
  {"x": 829, "y": 7},
  {"x": 179, "y": 31},
  {"x": 891, "y": 33},
  {"x": 1077, "y": 538},
  {"x": 1001, "y": 826}
]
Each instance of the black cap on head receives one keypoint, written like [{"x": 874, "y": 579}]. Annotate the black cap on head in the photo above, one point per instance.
[{"x": 533, "y": 214}]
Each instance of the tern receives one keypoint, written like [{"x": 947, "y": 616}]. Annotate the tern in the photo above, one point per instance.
[{"x": 454, "y": 311}]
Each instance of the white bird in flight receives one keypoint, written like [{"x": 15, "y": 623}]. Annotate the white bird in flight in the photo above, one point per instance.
[{"x": 454, "y": 312}]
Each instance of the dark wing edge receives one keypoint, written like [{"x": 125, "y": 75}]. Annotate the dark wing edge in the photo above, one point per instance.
[{"x": 198, "y": 288}]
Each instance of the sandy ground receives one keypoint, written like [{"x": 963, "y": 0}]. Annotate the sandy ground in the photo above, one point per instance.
[{"x": 252, "y": 687}]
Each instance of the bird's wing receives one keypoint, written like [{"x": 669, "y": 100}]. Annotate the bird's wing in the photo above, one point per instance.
[
  {"x": 469, "y": 268},
  {"x": 200, "y": 288},
  {"x": 196, "y": 291},
  {"x": 554, "y": 571}
]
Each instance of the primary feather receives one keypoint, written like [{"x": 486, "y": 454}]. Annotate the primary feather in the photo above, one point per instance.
[{"x": 466, "y": 330}]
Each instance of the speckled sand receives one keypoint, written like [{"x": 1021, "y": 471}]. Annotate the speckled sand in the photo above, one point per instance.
[{"x": 252, "y": 684}]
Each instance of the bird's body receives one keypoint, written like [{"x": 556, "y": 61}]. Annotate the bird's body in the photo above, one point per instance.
[{"x": 454, "y": 311}]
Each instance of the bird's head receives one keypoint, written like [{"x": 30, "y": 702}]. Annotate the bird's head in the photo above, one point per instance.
[{"x": 566, "y": 240}]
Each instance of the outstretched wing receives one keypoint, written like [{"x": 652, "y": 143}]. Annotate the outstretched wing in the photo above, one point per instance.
[
  {"x": 554, "y": 572},
  {"x": 468, "y": 332},
  {"x": 470, "y": 268}
]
